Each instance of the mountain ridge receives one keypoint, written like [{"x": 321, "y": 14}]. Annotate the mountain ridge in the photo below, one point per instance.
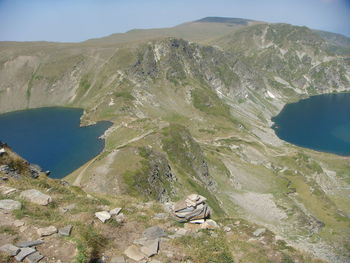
[{"x": 202, "y": 105}]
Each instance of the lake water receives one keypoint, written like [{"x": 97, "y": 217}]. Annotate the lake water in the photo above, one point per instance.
[
  {"x": 320, "y": 123},
  {"x": 52, "y": 138}
]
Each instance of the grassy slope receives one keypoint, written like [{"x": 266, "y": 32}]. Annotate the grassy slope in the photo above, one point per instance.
[{"x": 221, "y": 100}]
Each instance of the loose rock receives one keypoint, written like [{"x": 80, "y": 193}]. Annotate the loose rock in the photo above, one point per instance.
[
  {"x": 209, "y": 224},
  {"x": 134, "y": 253},
  {"x": 24, "y": 252},
  {"x": 5, "y": 190},
  {"x": 103, "y": 216},
  {"x": 34, "y": 258},
  {"x": 227, "y": 229},
  {"x": 9, "y": 204},
  {"x": 10, "y": 249},
  {"x": 65, "y": 231},
  {"x": 259, "y": 232},
  {"x": 151, "y": 248},
  {"x": 29, "y": 243},
  {"x": 47, "y": 231},
  {"x": 36, "y": 197},
  {"x": 154, "y": 232},
  {"x": 115, "y": 211}
]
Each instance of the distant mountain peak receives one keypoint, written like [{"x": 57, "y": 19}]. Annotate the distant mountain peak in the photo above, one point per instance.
[{"x": 226, "y": 20}]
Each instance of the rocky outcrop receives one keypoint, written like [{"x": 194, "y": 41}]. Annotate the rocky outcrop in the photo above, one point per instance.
[{"x": 187, "y": 154}]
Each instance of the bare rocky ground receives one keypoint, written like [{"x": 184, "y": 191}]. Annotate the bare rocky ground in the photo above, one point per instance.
[{"x": 125, "y": 229}]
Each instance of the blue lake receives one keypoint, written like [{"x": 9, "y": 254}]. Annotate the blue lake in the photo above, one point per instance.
[
  {"x": 52, "y": 138},
  {"x": 320, "y": 123}
]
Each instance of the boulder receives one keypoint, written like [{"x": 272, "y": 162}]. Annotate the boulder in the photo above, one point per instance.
[
  {"x": 47, "y": 231},
  {"x": 36, "y": 197},
  {"x": 134, "y": 253},
  {"x": 103, "y": 216},
  {"x": 9, "y": 204},
  {"x": 154, "y": 232},
  {"x": 9, "y": 249}
]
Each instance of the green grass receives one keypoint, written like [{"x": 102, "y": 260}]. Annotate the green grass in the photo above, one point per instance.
[
  {"x": 207, "y": 101},
  {"x": 8, "y": 230},
  {"x": 206, "y": 248},
  {"x": 124, "y": 94}
]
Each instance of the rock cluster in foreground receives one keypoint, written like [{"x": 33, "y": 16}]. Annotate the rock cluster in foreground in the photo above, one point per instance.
[{"x": 193, "y": 209}]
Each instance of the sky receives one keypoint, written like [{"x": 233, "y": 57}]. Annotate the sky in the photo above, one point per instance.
[{"x": 79, "y": 20}]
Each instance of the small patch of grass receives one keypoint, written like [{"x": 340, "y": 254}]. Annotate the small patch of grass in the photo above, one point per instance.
[
  {"x": 124, "y": 94},
  {"x": 89, "y": 242},
  {"x": 206, "y": 248},
  {"x": 8, "y": 230},
  {"x": 4, "y": 258}
]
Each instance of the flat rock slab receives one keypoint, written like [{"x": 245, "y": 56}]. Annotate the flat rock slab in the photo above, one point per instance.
[
  {"x": 30, "y": 243},
  {"x": 10, "y": 249},
  {"x": 65, "y": 231},
  {"x": 115, "y": 211},
  {"x": 9, "y": 204},
  {"x": 151, "y": 248},
  {"x": 24, "y": 252},
  {"x": 5, "y": 190},
  {"x": 134, "y": 253},
  {"x": 154, "y": 232},
  {"x": 47, "y": 231},
  {"x": 103, "y": 215},
  {"x": 118, "y": 259},
  {"x": 34, "y": 258},
  {"x": 36, "y": 197}
]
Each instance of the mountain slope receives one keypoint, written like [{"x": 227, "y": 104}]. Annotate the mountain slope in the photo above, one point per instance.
[{"x": 196, "y": 116}]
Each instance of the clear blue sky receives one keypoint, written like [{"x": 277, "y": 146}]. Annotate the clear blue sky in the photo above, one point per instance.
[{"x": 78, "y": 20}]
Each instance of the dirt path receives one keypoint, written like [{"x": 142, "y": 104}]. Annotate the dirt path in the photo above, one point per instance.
[{"x": 77, "y": 180}]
